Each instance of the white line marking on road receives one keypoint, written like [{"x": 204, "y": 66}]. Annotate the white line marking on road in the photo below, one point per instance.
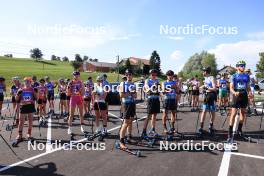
[
  {"x": 115, "y": 116},
  {"x": 54, "y": 150},
  {"x": 248, "y": 155},
  {"x": 223, "y": 171},
  {"x": 48, "y": 145}
]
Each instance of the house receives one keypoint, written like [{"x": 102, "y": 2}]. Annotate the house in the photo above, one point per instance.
[
  {"x": 135, "y": 62},
  {"x": 226, "y": 69},
  {"x": 97, "y": 66}
]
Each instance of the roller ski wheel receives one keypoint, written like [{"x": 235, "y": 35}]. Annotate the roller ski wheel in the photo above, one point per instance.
[
  {"x": 31, "y": 140},
  {"x": 9, "y": 127},
  {"x": 16, "y": 142},
  {"x": 135, "y": 153}
]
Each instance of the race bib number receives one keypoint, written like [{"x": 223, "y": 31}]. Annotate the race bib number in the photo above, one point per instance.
[
  {"x": 27, "y": 96},
  {"x": 241, "y": 85}
]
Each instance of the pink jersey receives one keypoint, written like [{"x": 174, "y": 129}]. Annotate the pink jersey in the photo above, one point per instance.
[{"x": 195, "y": 84}]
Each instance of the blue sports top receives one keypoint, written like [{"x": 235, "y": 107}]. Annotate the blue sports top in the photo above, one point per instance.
[
  {"x": 240, "y": 81},
  {"x": 172, "y": 93},
  {"x": 50, "y": 87},
  {"x": 127, "y": 88}
]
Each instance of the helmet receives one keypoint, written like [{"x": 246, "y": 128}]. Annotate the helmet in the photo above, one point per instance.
[
  {"x": 41, "y": 80},
  {"x": 75, "y": 73},
  {"x": 128, "y": 71},
  {"x": 61, "y": 80},
  {"x": 46, "y": 77},
  {"x": 15, "y": 78},
  {"x": 99, "y": 78},
  {"x": 207, "y": 69},
  {"x": 2, "y": 78},
  {"x": 153, "y": 71},
  {"x": 241, "y": 62},
  {"x": 104, "y": 75},
  {"x": 169, "y": 73},
  {"x": 34, "y": 77},
  {"x": 89, "y": 77},
  {"x": 28, "y": 79}
]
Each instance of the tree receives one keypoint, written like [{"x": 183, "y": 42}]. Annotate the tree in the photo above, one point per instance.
[
  {"x": 36, "y": 53},
  {"x": 76, "y": 65},
  {"x": 208, "y": 60},
  {"x": 91, "y": 60},
  {"x": 127, "y": 64},
  {"x": 78, "y": 58},
  {"x": 8, "y": 55},
  {"x": 65, "y": 59},
  {"x": 155, "y": 61},
  {"x": 53, "y": 57},
  {"x": 260, "y": 66},
  {"x": 85, "y": 58},
  {"x": 95, "y": 60}
]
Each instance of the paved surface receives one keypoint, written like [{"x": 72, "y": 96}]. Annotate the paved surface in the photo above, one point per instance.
[{"x": 247, "y": 160}]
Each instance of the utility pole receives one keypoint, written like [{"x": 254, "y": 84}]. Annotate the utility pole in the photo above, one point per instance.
[{"x": 117, "y": 68}]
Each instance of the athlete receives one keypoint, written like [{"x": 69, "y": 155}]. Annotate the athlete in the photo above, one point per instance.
[
  {"x": 170, "y": 101},
  {"x": 13, "y": 91},
  {"x": 50, "y": 85},
  {"x": 88, "y": 95},
  {"x": 68, "y": 97},
  {"x": 34, "y": 83},
  {"x": 99, "y": 105},
  {"x": 26, "y": 97},
  {"x": 106, "y": 87},
  {"x": 2, "y": 90},
  {"x": 62, "y": 88},
  {"x": 153, "y": 106},
  {"x": 128, "y": 96},
  {"x": 222, "y": 83},
  {"x": 240, "y": 89},
  {"x": 195, "y": 84},
  {"x": 209, "y": 101},
  {"x": 180, "y": 86},
  {"x": 253, "y": 81},
  {"x": 42, "y": 100},
  {"x": 75, "y": 89}
]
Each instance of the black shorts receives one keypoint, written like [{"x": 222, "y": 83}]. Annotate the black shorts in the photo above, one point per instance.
[
  {"x": 27, "y": 109},
  {"x": 13, "y": 99},
  {"x": 170, "y": 104},
  {"x": 195, "y": 92},
  {"x": 153, "y": 106},
  {"x": 1, "y": 97},
  {"x": 129, "y": 110},
  {"x": 100, "y": 106},
  {"x": 63, "y": 96},
  {"x": 42, "y": 101},
  {"x": 87, "y": 99},
  {"x": 68, "y": 98},
  {"x": 210, "y": 98},
  {"x": 50, "y": 96},
  {"x": 240, "y": 101}
]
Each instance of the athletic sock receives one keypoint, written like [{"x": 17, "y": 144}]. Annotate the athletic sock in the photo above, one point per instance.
[
  {"x": 172, "y": 125},
  {"x": 211, "y": 125},
  {"x": 122, "y": 140},
  {"x": 230, "y": 131},
  {"x": 240, "y": 125},
  {"x": 202, "y": 124}
]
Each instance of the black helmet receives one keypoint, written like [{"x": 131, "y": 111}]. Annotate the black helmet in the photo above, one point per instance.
[
  {"x": 153, "y": 71},
  {"x": 104, "y": 75},
  {"x": 169, "y": 73},
  {"x": 128, "y": 71},
  {"x": 41, "y": 80},
  {"x": 75, "y": 73},
  {"x": 2, "y": 78},
  {"x": 34, "y": 78},
  {"x": 89, "y": 77},
  {"x": 207, "y": 69}
]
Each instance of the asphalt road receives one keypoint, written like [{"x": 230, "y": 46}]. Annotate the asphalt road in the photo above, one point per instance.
[{"x": 247, "y": 160}]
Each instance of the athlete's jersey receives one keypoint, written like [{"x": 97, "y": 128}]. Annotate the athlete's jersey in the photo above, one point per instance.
[
  {"x": 42, "y": 92},
  {"x": 99, "y": 93},
  {"x": 62, "y": 88},
  {"x": 35, "y": 84},
  {"x": 153, "y": 87},
  {"x": 252, "y": 80},
  {"x": 130, "y": 88},
  {"x": 195, "y": 84},
  {"x": 208, "y": 81},
  {"x": 50, "y": 87},
  {"x": 223, "y": 84},
  {"x": 75, "y": 87},
  {"x": 240, "y": 81},
  {"x": 88, "y": 89},
  {"x": 170, "y": 92},
  {"x": 27, "y": 96},
  {"x": 2, "y": 88},
  {"x": 14, "y": 89}
]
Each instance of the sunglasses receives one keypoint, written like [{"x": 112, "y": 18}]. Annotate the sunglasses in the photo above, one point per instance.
[
  {"x": 153, "y": 74},
  {"x": 129, "y": 74},
  {"x": 242, "y": 65}
]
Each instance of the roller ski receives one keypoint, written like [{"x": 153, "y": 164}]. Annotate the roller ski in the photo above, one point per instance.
[
  {"x": 15, "y": 143},
  {"x": 125, "y": 149},
  {"x": 169, "y": 135},
  {"x": 243, "y": 137},
  {"x": 43, "y": 122},
  {"x": 9, "y": 127}
]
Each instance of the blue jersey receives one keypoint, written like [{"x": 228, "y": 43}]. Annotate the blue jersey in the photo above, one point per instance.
[
  {"x": 35, "y": 85},
  {"x": 223, "y": 84},
  {"x": 129, "y": 87},
  {"x": 153, "y": 88},
  {"x": 50, "y": 87},
  {"x": 240, "y": 81},
  {"x": 208, "y": 81},
  {"x": 170, "y": 92},
  {"x": 2, "y": 88}
]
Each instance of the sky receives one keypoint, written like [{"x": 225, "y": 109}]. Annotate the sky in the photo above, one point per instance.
[{"x": 103, "y": 29}]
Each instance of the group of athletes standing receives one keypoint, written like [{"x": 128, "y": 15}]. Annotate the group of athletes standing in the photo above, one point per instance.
[{"x": 75, "y": 93}]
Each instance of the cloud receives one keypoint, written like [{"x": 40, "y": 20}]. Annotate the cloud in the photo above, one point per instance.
[
  {"x": 125, "y": 37},
  {"x": 256, "y": 35},
  {"x": 175, "y": 37},
  {"x": 230, "y": 53},
  {"x": 176, "y": 55}
]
